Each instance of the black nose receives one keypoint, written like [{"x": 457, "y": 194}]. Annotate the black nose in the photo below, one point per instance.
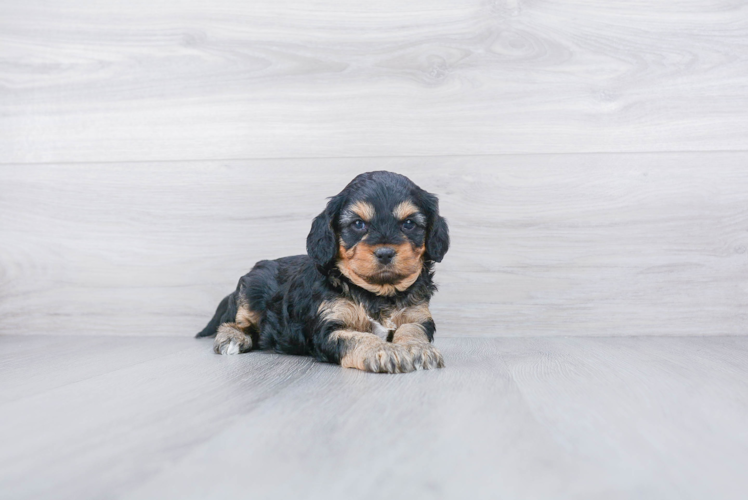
[{"x": 384, "y": 254}]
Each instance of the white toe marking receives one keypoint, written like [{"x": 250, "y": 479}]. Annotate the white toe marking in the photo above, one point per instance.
[
  {"x": 379, "y": 329},
  {"x": 233, "y": 348}
]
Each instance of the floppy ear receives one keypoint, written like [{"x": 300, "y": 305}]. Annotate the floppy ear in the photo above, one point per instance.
[
  {"x": 321, "y": 244},
  {"x": 437, "y": 241}
]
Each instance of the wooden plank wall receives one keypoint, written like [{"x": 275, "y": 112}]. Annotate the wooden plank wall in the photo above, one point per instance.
[{"x": 590, "y": 156}]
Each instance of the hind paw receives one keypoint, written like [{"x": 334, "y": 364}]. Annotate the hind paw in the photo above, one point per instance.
[{"x": 231, "y": 340}]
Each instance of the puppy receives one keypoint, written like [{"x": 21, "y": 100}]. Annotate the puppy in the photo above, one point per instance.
[{"x": 360, "y": 297}]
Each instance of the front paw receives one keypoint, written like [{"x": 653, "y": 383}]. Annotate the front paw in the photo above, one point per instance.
[
  {"x": 425, "y": 356},
  {"x": 382, "y": 357},
  {"x": 230, "y": 340},
  {"x": 388, "y": 358}
]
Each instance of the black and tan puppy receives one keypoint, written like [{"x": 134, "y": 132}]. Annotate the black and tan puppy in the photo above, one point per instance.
[{"x": 360, "y": 297}]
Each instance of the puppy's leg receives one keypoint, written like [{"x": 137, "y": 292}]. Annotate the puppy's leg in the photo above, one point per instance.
[
  {"x": 413, "y": 337},
  {"x": 235, "y": 338},
  {"x": 365, "y": 351},
  {"x": 231, "y": 339}
]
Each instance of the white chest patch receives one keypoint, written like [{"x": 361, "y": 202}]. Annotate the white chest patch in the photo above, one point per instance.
[{"x": 379, "y": 329}]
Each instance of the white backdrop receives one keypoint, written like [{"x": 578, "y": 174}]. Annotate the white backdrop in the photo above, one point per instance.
[{"x": 589, "y": 156}]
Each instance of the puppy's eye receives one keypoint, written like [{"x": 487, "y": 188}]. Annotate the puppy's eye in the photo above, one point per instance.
[
  {"x": 408, "y": 225},
  {"x": 359, "y": 225}
]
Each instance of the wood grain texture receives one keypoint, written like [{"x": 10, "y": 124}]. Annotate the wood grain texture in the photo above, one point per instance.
[
  {"x": 175, "y": 80},
  {"x": 651, "y": 244},
  {"x": 543, "y": 418}
]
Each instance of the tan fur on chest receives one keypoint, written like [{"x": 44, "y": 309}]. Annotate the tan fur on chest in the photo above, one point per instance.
[{"x": 355, "y": 316}]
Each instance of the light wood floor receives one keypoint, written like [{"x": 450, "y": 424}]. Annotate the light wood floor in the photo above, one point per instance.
[{"x": 155, "y": 418}]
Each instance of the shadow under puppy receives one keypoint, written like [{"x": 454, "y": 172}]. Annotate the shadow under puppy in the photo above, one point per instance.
[{"x": 360, "y": 298}]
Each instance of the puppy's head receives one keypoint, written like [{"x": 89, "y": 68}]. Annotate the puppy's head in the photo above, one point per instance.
[{"x": 378, "y": 232}]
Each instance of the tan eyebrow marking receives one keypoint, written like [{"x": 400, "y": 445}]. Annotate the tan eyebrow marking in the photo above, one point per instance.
[
  {"x": 364, "y": 210},
  {"x": 404, "y": 210}
]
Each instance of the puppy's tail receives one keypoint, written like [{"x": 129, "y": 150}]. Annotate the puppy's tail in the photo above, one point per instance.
[{"x": 225, "y": 313}]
